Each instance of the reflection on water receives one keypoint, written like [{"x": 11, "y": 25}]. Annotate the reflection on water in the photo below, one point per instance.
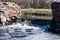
[{"x": 34, "y": 31}]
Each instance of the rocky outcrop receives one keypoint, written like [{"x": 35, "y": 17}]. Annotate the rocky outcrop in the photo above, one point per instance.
[{"x": 10, "y": 11}]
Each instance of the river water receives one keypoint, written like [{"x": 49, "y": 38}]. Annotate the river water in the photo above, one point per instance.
[{"x": 38, "y": 33}]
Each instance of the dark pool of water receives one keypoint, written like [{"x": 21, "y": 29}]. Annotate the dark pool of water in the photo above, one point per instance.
[{"x": 44, "y": 24}]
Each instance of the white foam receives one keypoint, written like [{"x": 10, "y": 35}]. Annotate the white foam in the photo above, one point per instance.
[{"x": 39, "y": 34}]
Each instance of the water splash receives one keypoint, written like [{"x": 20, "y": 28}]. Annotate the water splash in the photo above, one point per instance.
[{"x": 29, "y": 33}]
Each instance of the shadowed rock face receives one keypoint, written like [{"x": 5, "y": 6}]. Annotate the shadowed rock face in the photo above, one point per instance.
[{"x": 55, "y": 25}]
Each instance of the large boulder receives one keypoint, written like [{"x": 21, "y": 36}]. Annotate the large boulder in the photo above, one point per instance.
[
  {"x": 55, "y": 25},
  {"x": 9, "y": 11}
]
